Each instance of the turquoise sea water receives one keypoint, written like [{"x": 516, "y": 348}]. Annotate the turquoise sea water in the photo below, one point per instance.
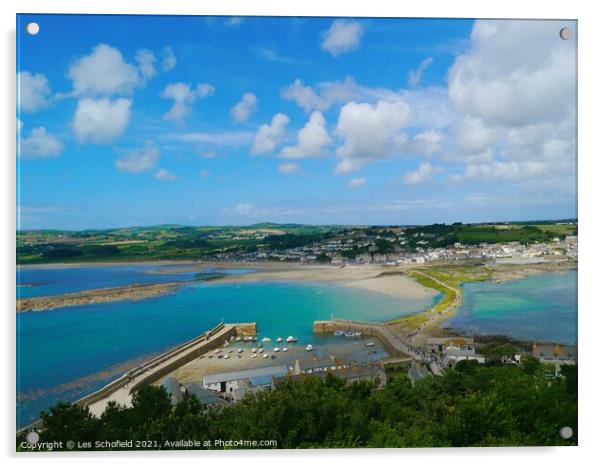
[
  {"x": 65, "y": 353},
  {"x": 540, "y": 307}
]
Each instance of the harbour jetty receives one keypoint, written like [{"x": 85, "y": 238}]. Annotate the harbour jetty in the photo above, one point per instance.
[
  {"x": 395, "y": 344},
  {"x": 121, "y": 389}
]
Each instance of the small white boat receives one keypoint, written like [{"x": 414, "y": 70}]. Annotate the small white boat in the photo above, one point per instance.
[
  {"x": 285, "y": 349},
  {"x": 279, "y": 339},
  {"x": 254, "y": 350},
  {"x": 227, "y": 356},
  {"x": 238, "y": 338},
  {"x": 266, "y": 340},
  {"x": 260, "y": 350},
  {"x": 265, "y": 356},
  {"x": 309, "y": 348},
  {"x": 217, "y": 351},
  {"x": 291, "y": 339},
  {"x": 230, "y": 351},
  {"x": 254, "y": 355},
  {"x": 370, "y": 343},
  {"x": 247, "y": 339},
  {"x": 276, "y": 349},
  {"x": 240, "y": 350},
  {"x": 339, "y": 333}
]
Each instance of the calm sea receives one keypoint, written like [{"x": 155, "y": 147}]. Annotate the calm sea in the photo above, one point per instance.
[
  {"x": 64, "y": 354},
  {"x": 540, "y": 307}
]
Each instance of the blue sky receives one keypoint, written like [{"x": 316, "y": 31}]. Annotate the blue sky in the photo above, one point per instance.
[{"x": 140, "y": 120}]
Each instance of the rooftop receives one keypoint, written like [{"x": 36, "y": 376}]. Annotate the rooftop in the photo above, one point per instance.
[{"x": 275, "y": 371}]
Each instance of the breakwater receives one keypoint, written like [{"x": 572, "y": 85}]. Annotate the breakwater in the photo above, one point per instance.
[{"x": 120, "y": 390}]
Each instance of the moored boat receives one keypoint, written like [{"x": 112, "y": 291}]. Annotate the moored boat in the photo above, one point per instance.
[{"x": 309, "y": 348}]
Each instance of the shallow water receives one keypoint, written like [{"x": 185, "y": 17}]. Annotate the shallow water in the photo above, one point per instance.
[
  {"x": 540, "y": 307},
  {"x": 65, "y": 353}
]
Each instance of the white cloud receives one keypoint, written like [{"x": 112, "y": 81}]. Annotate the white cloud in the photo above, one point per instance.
[
  {"x": 355, "y": 183},
  {"x": 40, "y": 144},
  {"x": 269, "y": 136},
  {"x": 183, "y": 97},
  {"x": 515, "y": 73},
  {"x": 421, "y": 175},
  {"x": 369, "y": 132},
  {"x": 139, "y": 160},
  {"x": 146, "y": 63},
  {"x": 304, "y": 96},
  {"x": 473, "y": 136},
  {"x": 165, "y": 175},
  {"x": 311, "y": 139},
  {"x": 428, "y": 143},
  {"x": 169, "y": 60},
  {"x": 516, "y": 106},
  {"x": 245, "y": 108},
  {"x": 288, "y": 168},
  {"x": 101, "y": 120},
  {"x": 343, "y": 36},
  {"x": 33, "y": 91},
  {"x": 103, "y": 72},
  {"x": 415, "y": 76}
]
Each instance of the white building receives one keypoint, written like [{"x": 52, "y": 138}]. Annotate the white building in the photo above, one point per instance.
[{"x": 228, "y": 382}]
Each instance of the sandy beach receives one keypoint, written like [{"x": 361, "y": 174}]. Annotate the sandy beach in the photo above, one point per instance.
[{"x": 368, "y": 277}]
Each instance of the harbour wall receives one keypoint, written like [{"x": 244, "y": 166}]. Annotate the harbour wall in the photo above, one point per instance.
[
  {"x": 161, "y": 365},
  {"x": 395, "y": 344}
]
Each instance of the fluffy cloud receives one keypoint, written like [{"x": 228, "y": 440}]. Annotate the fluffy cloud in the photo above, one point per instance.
[
  {"x": 421, "y": 175},
  {"x": 101, "y": 120},
  {"x": 473, "y": 136},
  {"x": 304, "y": 96},
  {"x": 269, "y": 135},
  {"x": 183, "y": 97},
  {"x": 146, "y": 63},
  {"x": 33, "y": 91},
  {"x": 355, "y": 183},
  {"x": 165, "y": 175},
  {"x": 103, "y": 72},
  {"x": 139, "y": 160},
  {"x": 516, "y": 105},
  {"x": 39, "y": 144},
  {"x": 415, "y": 76},
  {"x": 343, "y": 36},
  {"x": 245, "y": 108},
  {"x": 369, "y": 132},
  {"x": 427, "y": 143},
  {"x": 506, "y": 82},
  {"x": 169, "y": 60},
  {"x": 311, "y": 139},
  {"x": 288, "y": 168}
]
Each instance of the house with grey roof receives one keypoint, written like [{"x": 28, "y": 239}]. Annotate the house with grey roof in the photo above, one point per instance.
[{"x": 227, "y": 382}]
